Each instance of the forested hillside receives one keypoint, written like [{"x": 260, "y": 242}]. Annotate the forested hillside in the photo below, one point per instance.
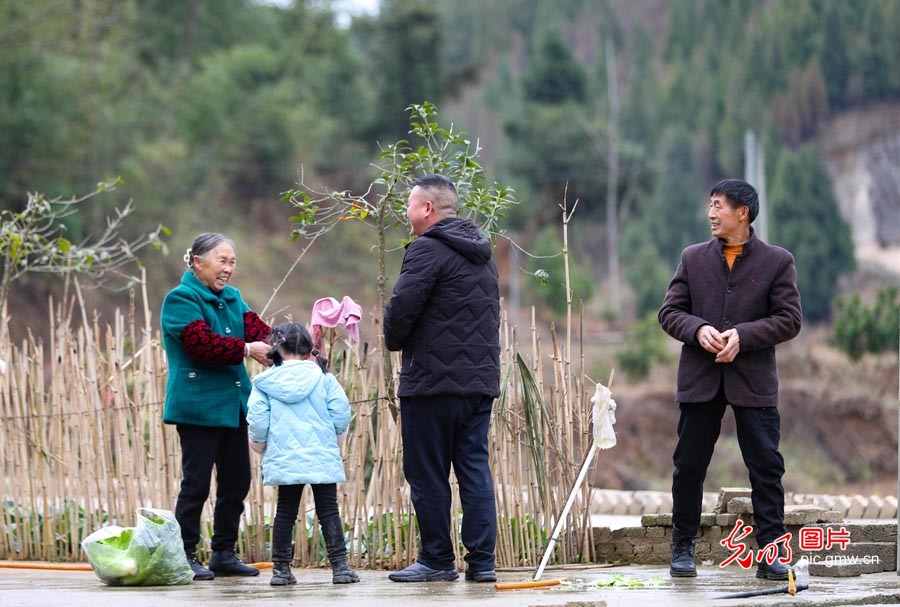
[{"x": 208, "y": 110}]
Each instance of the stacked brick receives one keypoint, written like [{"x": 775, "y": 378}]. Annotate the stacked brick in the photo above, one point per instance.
[
  {"x": 872, "y": 545},
  {"x": 607, "y": 501}
]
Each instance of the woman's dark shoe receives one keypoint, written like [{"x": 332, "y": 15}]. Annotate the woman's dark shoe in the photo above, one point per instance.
[
  {"x": 224, "y": 563},
  {"x": 200, "y": 572},
  {"x": 682, "y": 563},
  {"x": 281, "y": 575}
]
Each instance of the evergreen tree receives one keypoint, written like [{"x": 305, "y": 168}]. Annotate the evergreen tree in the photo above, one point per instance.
[
  {"x": 891, "y": 49},
  {"x": 641, "y": 115},
  {"x": 873, "y": 61},
  {"x": 687, "y": 94},
  {"x": 649, "y": 275},
  {"x": 833, "y": 51},
  {"x": 802, "y": 106},
  {"x": 805, "y": 220},
  {"x": 407, "y": 62},
  {"x": 671, "y": 219},
  {"x": 551, "y": 151},
  {"x": 555, "y": 75},
  {"x": 677, "y": 214},
  {"x": 683, "y": 32},
  {"x": 67, "y": 110},
  {"x": 550, "y": 135},
  {"x": 177, "y": 33}
]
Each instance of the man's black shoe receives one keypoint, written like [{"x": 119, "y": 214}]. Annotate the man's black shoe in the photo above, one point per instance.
[
  {"x": 682, "y": 563},
  {"x": 224, "y": 562},
  {"x": 776, "y": 571},
  {"x": 417, "y": 572},
  {"x": 486, "y": 575}
]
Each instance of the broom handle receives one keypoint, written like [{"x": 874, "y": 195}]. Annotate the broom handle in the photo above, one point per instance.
[{"x": 562, "y": 518}]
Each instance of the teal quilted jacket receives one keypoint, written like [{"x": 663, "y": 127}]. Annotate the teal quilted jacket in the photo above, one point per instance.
[{"x": 199, "y": 393}]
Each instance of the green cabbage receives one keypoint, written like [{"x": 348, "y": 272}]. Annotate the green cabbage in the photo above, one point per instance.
[{"x": 149, "y": 555}]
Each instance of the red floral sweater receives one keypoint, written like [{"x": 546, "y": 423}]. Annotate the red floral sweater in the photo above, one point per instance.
[{"x": 204, "y": 346}]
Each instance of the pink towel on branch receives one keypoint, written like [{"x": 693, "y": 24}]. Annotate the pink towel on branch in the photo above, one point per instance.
[{"x": 328, "y": 312}]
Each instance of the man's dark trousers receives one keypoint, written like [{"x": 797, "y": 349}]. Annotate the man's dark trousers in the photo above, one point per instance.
[
  {"x": 439, "y": 431},
  {"x": 758, "y": 432}
]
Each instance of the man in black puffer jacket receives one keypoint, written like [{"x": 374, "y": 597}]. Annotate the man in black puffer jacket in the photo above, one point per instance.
[{"x": 445, "y": 316}]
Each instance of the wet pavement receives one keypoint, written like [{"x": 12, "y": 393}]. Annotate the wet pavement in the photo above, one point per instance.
[{"x": 40, "y": 588}]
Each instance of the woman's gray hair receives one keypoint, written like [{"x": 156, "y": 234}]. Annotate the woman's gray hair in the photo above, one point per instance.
[{"x": 203, "y": 244}]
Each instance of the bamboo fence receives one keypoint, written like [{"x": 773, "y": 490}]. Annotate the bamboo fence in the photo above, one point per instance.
[{"x": 83, "y": 446}]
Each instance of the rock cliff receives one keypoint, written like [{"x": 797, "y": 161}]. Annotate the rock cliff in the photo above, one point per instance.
[{"x": 862, "y": 151}]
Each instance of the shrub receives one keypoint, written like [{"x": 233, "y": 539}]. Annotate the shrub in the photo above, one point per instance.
[
  {"x": 645, "y": 346},
  {"x": 859, "y": 328}
]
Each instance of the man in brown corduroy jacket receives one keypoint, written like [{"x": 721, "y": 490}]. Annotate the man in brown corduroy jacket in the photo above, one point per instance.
[{"x": 731, "y": 301}]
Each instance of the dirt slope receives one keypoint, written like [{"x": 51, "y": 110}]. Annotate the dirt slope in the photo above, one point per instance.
[{"x": 839, "y": 429}]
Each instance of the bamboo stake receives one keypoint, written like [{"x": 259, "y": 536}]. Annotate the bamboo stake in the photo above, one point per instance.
[
  {"x": 30, "y": 548},
  {"x": 566, "y": 371}
]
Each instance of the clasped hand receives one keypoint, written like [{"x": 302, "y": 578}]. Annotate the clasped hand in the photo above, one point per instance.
[{"x": 725, "y": 345}]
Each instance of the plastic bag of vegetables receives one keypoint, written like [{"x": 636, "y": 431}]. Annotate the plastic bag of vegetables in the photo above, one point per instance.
[{"x": 150, "y": 554}]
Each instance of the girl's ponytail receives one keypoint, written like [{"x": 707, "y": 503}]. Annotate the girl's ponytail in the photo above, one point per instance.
[
  {"x": 276, "y": 341},
  {"x": 321, "y": 360}
]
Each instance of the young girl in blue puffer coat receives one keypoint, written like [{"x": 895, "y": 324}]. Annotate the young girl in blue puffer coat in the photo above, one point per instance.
[{"x": 296, "y": 412}]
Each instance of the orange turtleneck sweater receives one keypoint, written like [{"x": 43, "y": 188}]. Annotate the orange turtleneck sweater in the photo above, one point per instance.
[{"x": 731, "y": 252}]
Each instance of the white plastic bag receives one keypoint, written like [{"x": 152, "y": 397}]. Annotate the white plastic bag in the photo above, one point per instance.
[
  {"x": 151, "y": 554},
  {"x": 604, "y": 417}
]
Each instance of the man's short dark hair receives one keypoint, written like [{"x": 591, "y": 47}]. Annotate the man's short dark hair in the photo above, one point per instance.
[
  {"x": 445, "y": 197},
  {"x": 739, "y": 193},
  {"x": 434, "y": 181}
]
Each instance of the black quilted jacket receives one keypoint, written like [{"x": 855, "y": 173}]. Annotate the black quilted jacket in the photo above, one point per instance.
[{"x": 445, "y": 314}]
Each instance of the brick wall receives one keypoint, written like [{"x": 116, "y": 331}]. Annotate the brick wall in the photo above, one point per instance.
[{"x": 872, "y": 546}]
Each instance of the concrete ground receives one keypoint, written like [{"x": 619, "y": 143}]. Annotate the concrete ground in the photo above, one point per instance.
[{"x": 40, "y": 588}]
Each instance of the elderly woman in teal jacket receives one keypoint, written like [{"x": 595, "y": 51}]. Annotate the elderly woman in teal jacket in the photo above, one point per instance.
[
  {"x": 297, "y": 411},
  {"x": 208, "y": 330}
]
